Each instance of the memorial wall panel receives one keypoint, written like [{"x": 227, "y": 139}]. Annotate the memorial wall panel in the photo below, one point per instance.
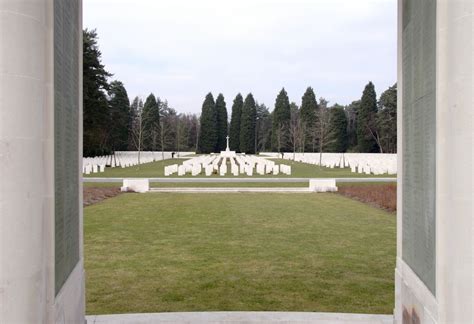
[
  {"x": 419, "y": 139},
  {"x": 66, "y": 131}
]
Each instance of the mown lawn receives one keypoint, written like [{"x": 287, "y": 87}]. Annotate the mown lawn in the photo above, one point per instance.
[
  {"x": 299, "y": 170},
  {"x": 235, "y": 252},
  {"x": 234, "y": 184},
  {"x": 101, "y": 184}
]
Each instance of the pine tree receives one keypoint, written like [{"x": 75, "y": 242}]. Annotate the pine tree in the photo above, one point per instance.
[
  {"x": 151, "y": 123},
  {"x": 281, "y": 122},
  {"x": 168, "y": 128},
  {"x": 222, "y": 125},
  {"x": 296, "y": 129},
  {"x": 96, "y": 114},
  {"x": 120, "y": 115},
  {"x": 234, "y": 132},
  {"x": 263, "y": 134},
  {"x": 351, "y": 113},
  {"x": 193, "y": 134},
  {"x": 208, "y": 134},
  {"x": 247, "y": 125},
  {"x": 308, "y": 113},
  {"x": 387, "y": 120},
  {"x": 366, "y": 119},
  {"x": 338, "y": 141}
]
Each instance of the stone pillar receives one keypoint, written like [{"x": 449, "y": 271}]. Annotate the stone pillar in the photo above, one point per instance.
[
  {"x": 435, "y": 217},
  {"x": 28, "y": 166}
]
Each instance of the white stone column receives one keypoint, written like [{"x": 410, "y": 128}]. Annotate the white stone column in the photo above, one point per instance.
[
  {"x": 27, "y": 190},
  {"x": 26, "y": 160},
  {"x": 453, "y": 298},
  {"x": 455, "y": 162}
]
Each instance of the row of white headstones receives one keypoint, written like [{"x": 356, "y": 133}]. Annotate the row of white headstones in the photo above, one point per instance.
[
  {"x": 240, "y": 164},
  {"x": 363, "y": 163},
  {"x": 124, "y": 159}
]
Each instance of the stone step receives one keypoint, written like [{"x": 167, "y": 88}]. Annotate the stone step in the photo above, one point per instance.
[{"x": 241, "y": 317}]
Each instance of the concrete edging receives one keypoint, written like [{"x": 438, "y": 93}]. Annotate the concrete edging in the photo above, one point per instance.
[{"x": 241, "y": 317}]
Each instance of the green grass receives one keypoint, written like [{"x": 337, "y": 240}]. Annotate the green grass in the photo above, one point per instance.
[
  {"x": 230, "y": 184},
  {"x": 101, "y": 184},
  {"x": 205, "y": 184},
  {"x": 299, "y": 170},
  {"x": 147, "y": 170},
  {"x": 236, "y": 252}
]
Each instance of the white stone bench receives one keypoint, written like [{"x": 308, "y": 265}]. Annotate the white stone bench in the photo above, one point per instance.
[
  {"x": 322, "y": 185},
  {"x": 136, "y": 185}
]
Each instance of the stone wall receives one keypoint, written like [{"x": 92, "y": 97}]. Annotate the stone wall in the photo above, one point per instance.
[
  {"x": 435, "y": 217},
  {"x": 41, "y": 96}
]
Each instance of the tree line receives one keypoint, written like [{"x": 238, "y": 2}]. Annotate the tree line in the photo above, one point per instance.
[
  {"x": 366, "y": 125},
  {"x": 113, "y": 123}
]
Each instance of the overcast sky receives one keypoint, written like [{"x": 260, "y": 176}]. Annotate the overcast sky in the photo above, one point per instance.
[{"x": 182, "y": 49}]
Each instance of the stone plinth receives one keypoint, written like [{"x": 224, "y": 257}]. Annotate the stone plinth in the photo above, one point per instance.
[
  {"x": 136, "y": 185},
  {"x": 228, "y": 154},
  {"x": 322, "y": 185}
]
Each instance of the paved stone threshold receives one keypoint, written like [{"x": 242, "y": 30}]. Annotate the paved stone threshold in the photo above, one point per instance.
[{"x": 241, "y": 318}]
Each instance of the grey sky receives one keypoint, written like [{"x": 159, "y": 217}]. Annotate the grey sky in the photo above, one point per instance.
[{"x": 182, "y": 49}]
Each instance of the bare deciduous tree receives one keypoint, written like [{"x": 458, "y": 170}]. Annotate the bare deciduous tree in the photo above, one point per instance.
[
  {"x": 137, "y": 132},
  {"x": 280, "y": 136},
  {"x": 375, "y": 135},
  {"x": 296, "y": 133}
]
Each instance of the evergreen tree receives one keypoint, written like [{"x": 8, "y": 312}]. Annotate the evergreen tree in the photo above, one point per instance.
[
  {"x": 308, "y": 113},
  {"x": 120, "y": 115},
  {"x": 234, "y": 132},
  {"x": 186, "y": 132},
  {"x": 338, "y": 130},
  {"x": 366, "y": 120},
  {"x": 193, "y": 134},
  {"x": 136, "y": 130},
  {"x": 387, "y": 120},
  {"x": 281, "y": 122},
  {"x": 351, "y": 114},
  {"x": 208, "y": 134},
  {"x": 96, "y": 114},
  {"x": 296, "y": 129},
  {"x": 247, "y": 125},
  {"x": 151, "y": 123},
  {"x": 168, "y": 128},
  {"x": 222, "y": 125},
  {"x": 263, "y": 135},
  {"x": 135, "y": 108}
]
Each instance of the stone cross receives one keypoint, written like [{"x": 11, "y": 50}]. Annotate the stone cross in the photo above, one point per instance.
[{"x": 227, "y": 137}]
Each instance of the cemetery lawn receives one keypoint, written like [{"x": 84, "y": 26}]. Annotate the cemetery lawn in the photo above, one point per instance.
[
  {"x": 232, "y": 184},
  {"x": 238, "y": 252},
  {"x": 204, "y": 184},
  {"x": 101, "y": 184},
  {"x": 299, "y": 170}
]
